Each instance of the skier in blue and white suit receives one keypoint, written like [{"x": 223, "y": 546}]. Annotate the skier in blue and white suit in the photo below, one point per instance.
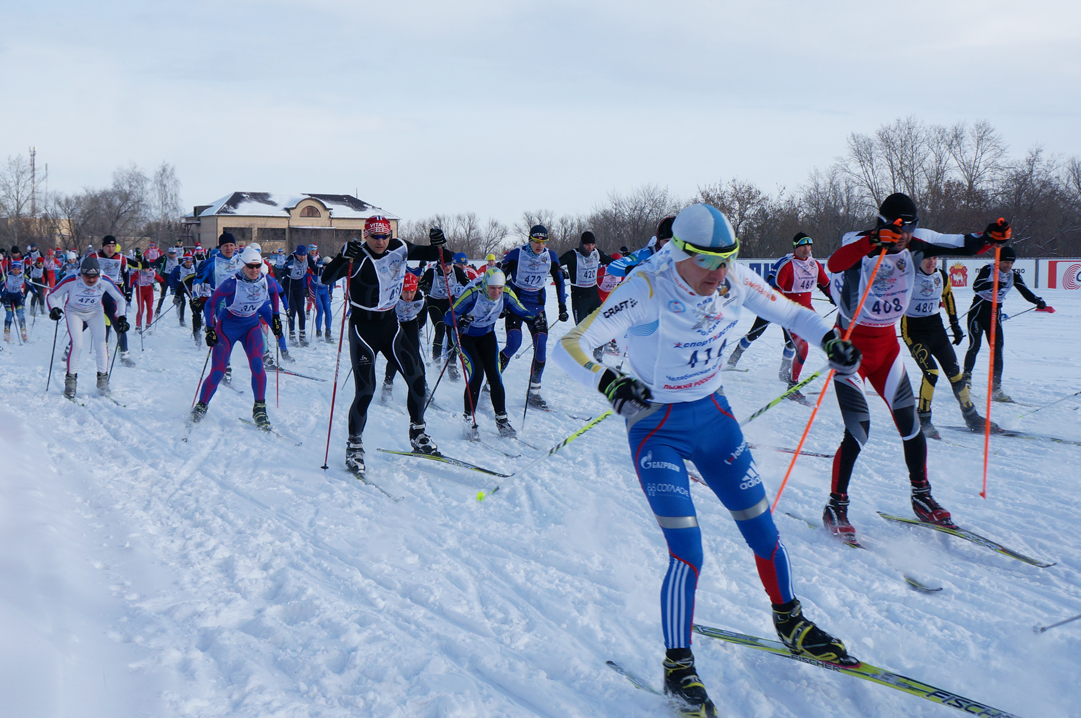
[
  {"x": 477, "y": 309},
  {"x": 678, "y": 309},
  {"x": 243, "y": 300},
  {"x": 528, "y": 269}
]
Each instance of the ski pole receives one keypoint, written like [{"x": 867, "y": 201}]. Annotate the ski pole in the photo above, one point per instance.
[
  {"x": 529, "y": 382},
  {"x": 277, "y": 376},
  {"x": 160, "y": 315},
  {"x": 208, "y": 351},
  {"x": 337, "y": 365},
  {"x": 1012, "y": 316},
  {"x": 1056, "y": 401},
  {"x": 785, "y": 395},
  {"x": 588, "y": 425},
  {"x": 431, "y": 394},
  {"x": 990, "y": 373},
  {"x": 52, "y": 356},
  {"x": 1041, "y": 629},
  {"x": 829, "y": 377},
  {"x": 457, "y": 339},
  {"x": 115, "y": 350}
]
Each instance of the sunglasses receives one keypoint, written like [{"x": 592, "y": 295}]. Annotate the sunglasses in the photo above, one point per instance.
[
  {"x": 705, "y": 259},
  {"x": 379, "y": 236},
  {"x": 254, "y": 266}
]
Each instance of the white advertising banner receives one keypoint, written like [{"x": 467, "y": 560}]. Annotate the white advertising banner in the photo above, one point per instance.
[{"x": 1061, "y": 273}]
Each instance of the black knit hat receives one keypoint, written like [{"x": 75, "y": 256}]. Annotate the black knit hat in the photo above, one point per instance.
[
  {"x": 1007, "y": 254},
  {"x": 588, "y": 238},
  {"x": 796, "y": 241},
  {"x": 664, "y": 229},
  {"x": 226, "y": 238},
  {"x": 108, "y": 239},
  {"x": 90, "y": 266},
  {"x": 897, "y": 206}
]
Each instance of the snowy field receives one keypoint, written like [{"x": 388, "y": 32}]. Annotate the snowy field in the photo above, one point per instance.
[{"x": 231, "y": 576}]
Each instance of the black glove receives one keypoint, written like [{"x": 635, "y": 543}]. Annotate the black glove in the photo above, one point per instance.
[
  {"x": 998, "y": 232},
  {"x": 352, "y": 249},
  {"x": 1040, "y": 304},
  {"x": 958, "y": 335},
  {"x": 844, "y": 357},
  {"x": 122, "y": 325},
  {"x": 563, "y": 316},
  {"x": 55, "y": 313},
  {"x": 127, "y": 295},
  {"x": 540, "y": 324},
  {"x": 436, "y": 237},
  {"x": 276, "y": 325},
  {"x": 211, "y": 337},
  {"x": 464, "y": 320},
  {"x": 627, "y": 395}
]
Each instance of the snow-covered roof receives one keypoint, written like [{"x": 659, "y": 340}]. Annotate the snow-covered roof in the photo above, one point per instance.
[{"x": 277, "y": 204}]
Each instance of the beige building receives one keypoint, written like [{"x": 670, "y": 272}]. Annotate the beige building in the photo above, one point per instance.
[{"x": 277, "y": 220}]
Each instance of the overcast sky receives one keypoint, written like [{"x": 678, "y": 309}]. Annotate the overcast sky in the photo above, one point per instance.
[{"x": 497, "y": 107}]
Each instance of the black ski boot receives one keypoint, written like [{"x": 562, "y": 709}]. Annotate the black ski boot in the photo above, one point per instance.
[
  {"x": 354, "y": 457},
  {"x": 505, "y": 429},
  {"x": 288, "y": 357},
  {"x": 69, "y": 385},
  {"x": 197, "y": 413},
  {"x": 835, "y": 518},
  {"x": 682, "y": 683},
  {"x": 388, "y": 392},
  {"x": 125, "y": 359},
  {"x": 927, "y": 509},
  {"x": 292, "y": 337},
  {"x": 258, "y": 415},
  {"x": 804, "y": 638},
  {"x": 976, "y": 423},
  {"x": 469, "y": 429},
  {"x": 452, "y": 371},
  {"x": 103, "y": 383},
  {"x": 998, "y": 395},
  {"x": 798, "y": 396},
  {"x": 303, "y": 339},
  {"x": 927, "y": 427},
  {"x": 534, "y": 398},
  {"x": 733, "y": 358},
  {"x": 330, "y": 339},
  {"x": 421, "y": 442}
]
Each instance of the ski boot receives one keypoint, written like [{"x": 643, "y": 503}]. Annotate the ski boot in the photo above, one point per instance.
[
  {"x": 330, "y": 339},
  {"x": 69, "y": 385},
  {"x": 835, "y": 518},
  {"x": 452, "y": 371},
  {"x": 354, "y": 457},
  {"x": 505, "y": 429},
  {"x": 534, "y": 398},
  {"x": 469, "y": 429},
  {"x": 967, "y": 379},
  {"x": 976, "y": 423},
  {"x": 103, "y": 383},
  {"x": 268, "y": 361},
  {"x": 682, "y": 683},
  {"x": 197, "y": 413},
  {"x": 258, "y": 415},
  {"x": 22, "y": 333},
  {"x": 785, "y": 372},
  {"x": 7, "y": 334},
  {"x": 421, "y": 442},
  {"x": 804, "y": 638},
  {"x": 228, "y": 378},
  {"x": 927, "y": 509},
  {"x": 928, "y": 428},
  {"x": 303, "y": 339},
  {"x": 292, "y": 337},
  {"x": 287, "y": 356},
  {"x": 798, "y": 396},
  {"x": 125, "y": 359},
  {"x": 733, "y": 358},
  {"x": 996, "y": 392},
  {"x": 387, "y": 393}
]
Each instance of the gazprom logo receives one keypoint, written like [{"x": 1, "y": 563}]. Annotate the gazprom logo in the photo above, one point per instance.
[{"x": 647, "y": 462}]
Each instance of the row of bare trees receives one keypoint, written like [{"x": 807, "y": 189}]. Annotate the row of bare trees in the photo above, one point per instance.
[{"x": 134, "y": 205}]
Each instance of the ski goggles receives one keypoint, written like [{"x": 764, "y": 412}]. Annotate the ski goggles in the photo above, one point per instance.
[
  {"x": 706, "y": 259},
  {"x": 379, "y": 236},
  {"x": 803, "y": 241},
  {"x": 539, "y": 240}
]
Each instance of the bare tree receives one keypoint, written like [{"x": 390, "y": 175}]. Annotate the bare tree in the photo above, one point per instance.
[
  {"x": 978, "y": 153},
  {"x": 16, "y": 192}
]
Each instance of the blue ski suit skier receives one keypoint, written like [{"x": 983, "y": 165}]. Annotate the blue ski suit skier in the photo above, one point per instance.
[
  {"x": 244, "y": 299},
  {"x": 527, "y": 269},
  {"x": 477, "y": 309},
  {"x": 14, "y": 292},
  {"x": 323, "y": 294},
  {"x": 678, "y": 309},
  {"x": 296, "y": 279}
]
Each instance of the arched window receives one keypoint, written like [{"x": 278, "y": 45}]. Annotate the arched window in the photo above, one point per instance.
[{"x": 310, "y": 211}]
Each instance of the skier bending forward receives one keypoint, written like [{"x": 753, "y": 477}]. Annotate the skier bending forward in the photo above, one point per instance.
[{"x": 677, "y": 310}]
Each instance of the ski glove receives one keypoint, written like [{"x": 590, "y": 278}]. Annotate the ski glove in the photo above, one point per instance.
[
  {"x": 211, "y": 337},
  {"x": 122, "y": 325},
  {"x": 627, "y": 395},
  {"x": 436, "y": 238},
  {"x": 998, "y": 232},
  {"x": 886, "y": 236},
  {"x": 464, "y": 321},
  {"x": 958, "y": 335},
  {"x": 276, "y": 325},
  {"x": 563, "y": 316},
  {"x": 540, "y": 323},
  {"x": 1040, "y": 304},
  {"x": 127, "y": 295},
  {"x": 55, "y": 313},
  {"x": 844, "y": 357},
  {"x": 352, "y": 249}
]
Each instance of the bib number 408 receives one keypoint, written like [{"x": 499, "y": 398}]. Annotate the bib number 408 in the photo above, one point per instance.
[{"x": 887, "y": 306}]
